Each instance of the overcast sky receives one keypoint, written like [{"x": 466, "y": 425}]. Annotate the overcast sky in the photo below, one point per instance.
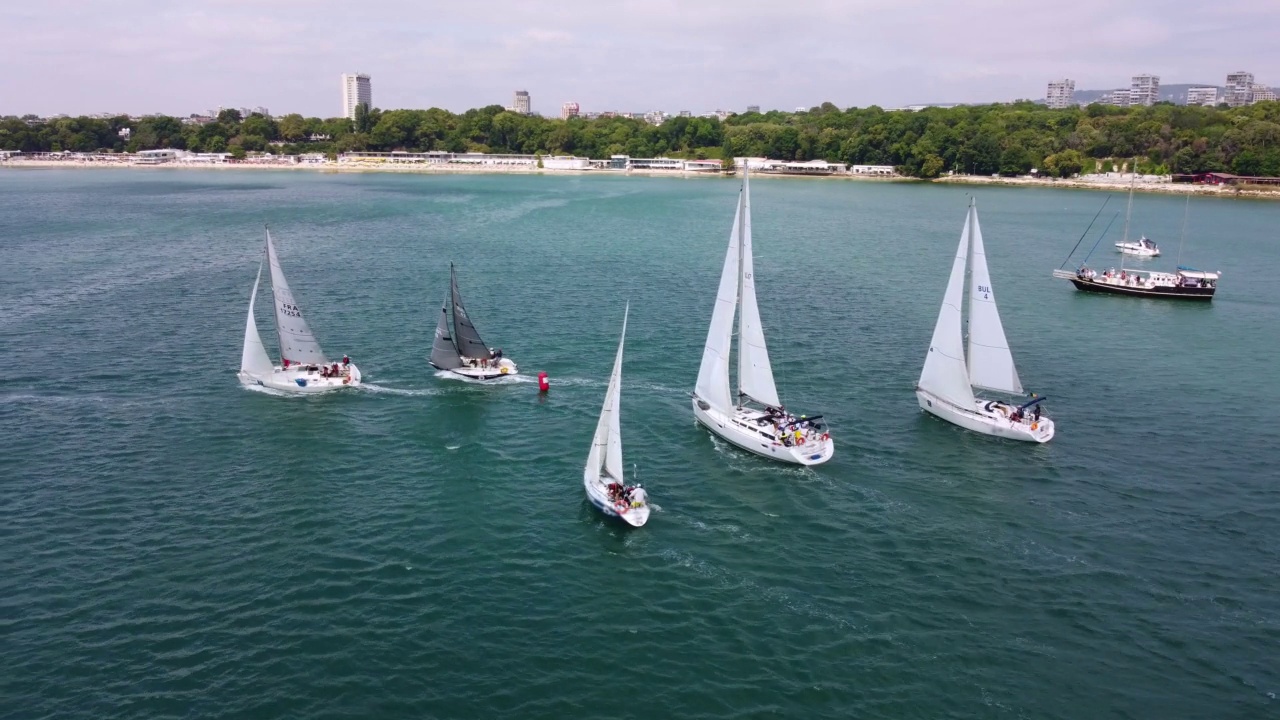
[{"x": 184, "y": 56}]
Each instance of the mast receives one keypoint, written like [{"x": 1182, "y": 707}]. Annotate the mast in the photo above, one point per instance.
[
  {"x": 1186, "y": 208},
  {"x": 742, "y": 205}
]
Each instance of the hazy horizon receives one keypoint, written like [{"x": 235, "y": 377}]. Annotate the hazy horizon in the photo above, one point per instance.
[{"x": 137, "y": 57}]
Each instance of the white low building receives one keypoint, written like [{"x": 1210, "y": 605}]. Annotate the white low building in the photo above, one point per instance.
[
  {"x": 157, "y": 157},
  {"x": 880, "y": 170},
  {"x": 565, "y": 162}
]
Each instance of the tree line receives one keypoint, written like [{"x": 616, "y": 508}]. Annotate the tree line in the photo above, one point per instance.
[{"x": 1008, "y": 139}]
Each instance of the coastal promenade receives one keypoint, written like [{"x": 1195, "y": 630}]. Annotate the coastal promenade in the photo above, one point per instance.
[{"x": 1106, "y": 182}]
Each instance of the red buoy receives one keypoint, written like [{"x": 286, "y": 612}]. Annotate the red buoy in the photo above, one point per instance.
[{"x": 543, "y": 385}]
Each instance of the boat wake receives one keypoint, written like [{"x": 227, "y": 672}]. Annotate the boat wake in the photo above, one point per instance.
[
  {"x": 412, "y": 392},
  {"x": 273, "y": 392},
  {"x": 501, "y": 380}
]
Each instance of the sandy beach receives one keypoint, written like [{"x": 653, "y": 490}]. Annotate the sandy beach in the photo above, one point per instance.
[{"x": 1112, "y": 183}]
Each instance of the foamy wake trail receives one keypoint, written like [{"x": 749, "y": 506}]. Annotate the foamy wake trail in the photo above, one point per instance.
[
  {"x": 271, "y": 391},
  {"x": 414, "y": 392},
  {"x": 503, "y": 380}
]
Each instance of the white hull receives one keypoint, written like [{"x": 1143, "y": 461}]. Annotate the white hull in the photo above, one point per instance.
[
  {"x": 980, "y": 420},
  {"x": 1137, "y": 250},
  {"x": 313, "y": 384},
  {"x": 598, "y": 495},
  {"x": 503, "y": 368},
  {"x": 742, "y": 431}
]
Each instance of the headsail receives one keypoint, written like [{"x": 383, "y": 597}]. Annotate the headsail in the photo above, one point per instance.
[
  {"x": 944, "y": 372},
  {"x": 443, "y": 354},
  {"x": 713, "y": 375},
  {"x": 755, "y": 375},
  {"x": 606, "y": 446},
  {"x": 254, "y": 359},
  {"x": 990, "y": 362},
  {"x": 464, "y": 332},
  {"x": 297, "y": 343}
]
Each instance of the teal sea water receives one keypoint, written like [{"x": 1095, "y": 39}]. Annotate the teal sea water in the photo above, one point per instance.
[{"x": 173, "y": 545}]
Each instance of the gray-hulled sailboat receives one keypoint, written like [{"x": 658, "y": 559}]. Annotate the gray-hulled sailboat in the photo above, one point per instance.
[{"x": 462, "y": 352}]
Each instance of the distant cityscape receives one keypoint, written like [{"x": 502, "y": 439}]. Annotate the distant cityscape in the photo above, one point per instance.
[{"x": 1240, "y": 89}]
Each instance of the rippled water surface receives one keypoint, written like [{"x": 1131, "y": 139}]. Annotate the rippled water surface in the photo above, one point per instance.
[{"x": 172, "y": 545}]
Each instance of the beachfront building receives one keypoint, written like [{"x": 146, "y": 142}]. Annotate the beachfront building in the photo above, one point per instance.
[
  {"x": 872, "y": 170},
  {"x": 1202, "y": 96},
  {"x": 357, "y": 89},
  {"x": 565, "y": 162},
  {"x": 654, "y": 164},
  {"x": 522, "y": 104},
  {"x": 1239, "y": 89},
  {"x": 808, "y": 167},
  {"x": 437, "y": 157},
  {"x": 156, "y": 157},
  {"x": 1061, "y": 94},
  {"x": 1144, "y": 90},
  {"x": 568, "y": 110}
]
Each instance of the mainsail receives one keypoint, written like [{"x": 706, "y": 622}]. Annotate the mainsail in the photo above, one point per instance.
[
  {"x": 713, "y": 375},
  {"x": 443, "y": 354},
  {"x": 464, "y": 332},
  {"x": 990, "y": 362},
  {"x": 606, "y": 446},
  {"x": 944, "y": 373},
  {"x": 254, "y": 360},
  {"x": 297, "y": 343},
  {"x": 755, "y": 375}
]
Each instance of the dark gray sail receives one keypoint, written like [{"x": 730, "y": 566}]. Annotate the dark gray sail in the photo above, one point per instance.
[
  {"x": 444, "y": 356},
  {"x": 464, "y": 332}
]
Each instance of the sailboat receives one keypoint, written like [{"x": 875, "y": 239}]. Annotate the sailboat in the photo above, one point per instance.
[
  {"x": 948, "y": 380},
  {"x": 463, "y": 353},
  {"x": 1144, "y": 247},
  {"x": 756, "y": 420},
  {"x": 303, "y": 366},
  {"x": 1185, "y": 283},
  {"x": 603, "y": 476}
]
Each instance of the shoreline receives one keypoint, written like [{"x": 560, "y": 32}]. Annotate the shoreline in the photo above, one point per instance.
[{"x": 1167, "y": 188}]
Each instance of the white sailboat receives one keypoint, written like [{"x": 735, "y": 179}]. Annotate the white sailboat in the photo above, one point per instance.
[
  {"x": 947, "y": 382},
  {"x": 767, "y": 430},
  {"x": 603, "y": 476},
  {"x": 463, "y": 353},
  {"x": 303, "y": 367},
  {"x": 1144, "y": 247}
]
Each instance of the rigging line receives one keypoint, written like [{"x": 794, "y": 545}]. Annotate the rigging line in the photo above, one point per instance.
[
  {"x": 1086, "y": 231},
  {"x": 1104, "y": 234},
  {"x": 1182, "y": 240}
]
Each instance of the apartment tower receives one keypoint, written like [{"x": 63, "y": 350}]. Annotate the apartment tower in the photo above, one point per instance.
[
  {"x": 1061, "y": 94},
  {"x": 522, "y": 106},
  {"x": 1144, "y": 90},
  {"x": 356, "y": 90}
]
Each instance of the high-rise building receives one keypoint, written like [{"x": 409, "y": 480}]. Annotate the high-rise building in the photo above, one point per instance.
[
  {"x": 1061, "y": 94},
  {"x": 568, "y": 110},
  {"x": 522, "y": 105},
  {"x": 1144, "y": 90},
  {"x": 753, "y": 108},
  {"x": 1239, "y": 88},
  {"x": 357, "y": 89},
  {"x": 1202, "y": 96},
  {"x": 1123, "y": 98}
]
